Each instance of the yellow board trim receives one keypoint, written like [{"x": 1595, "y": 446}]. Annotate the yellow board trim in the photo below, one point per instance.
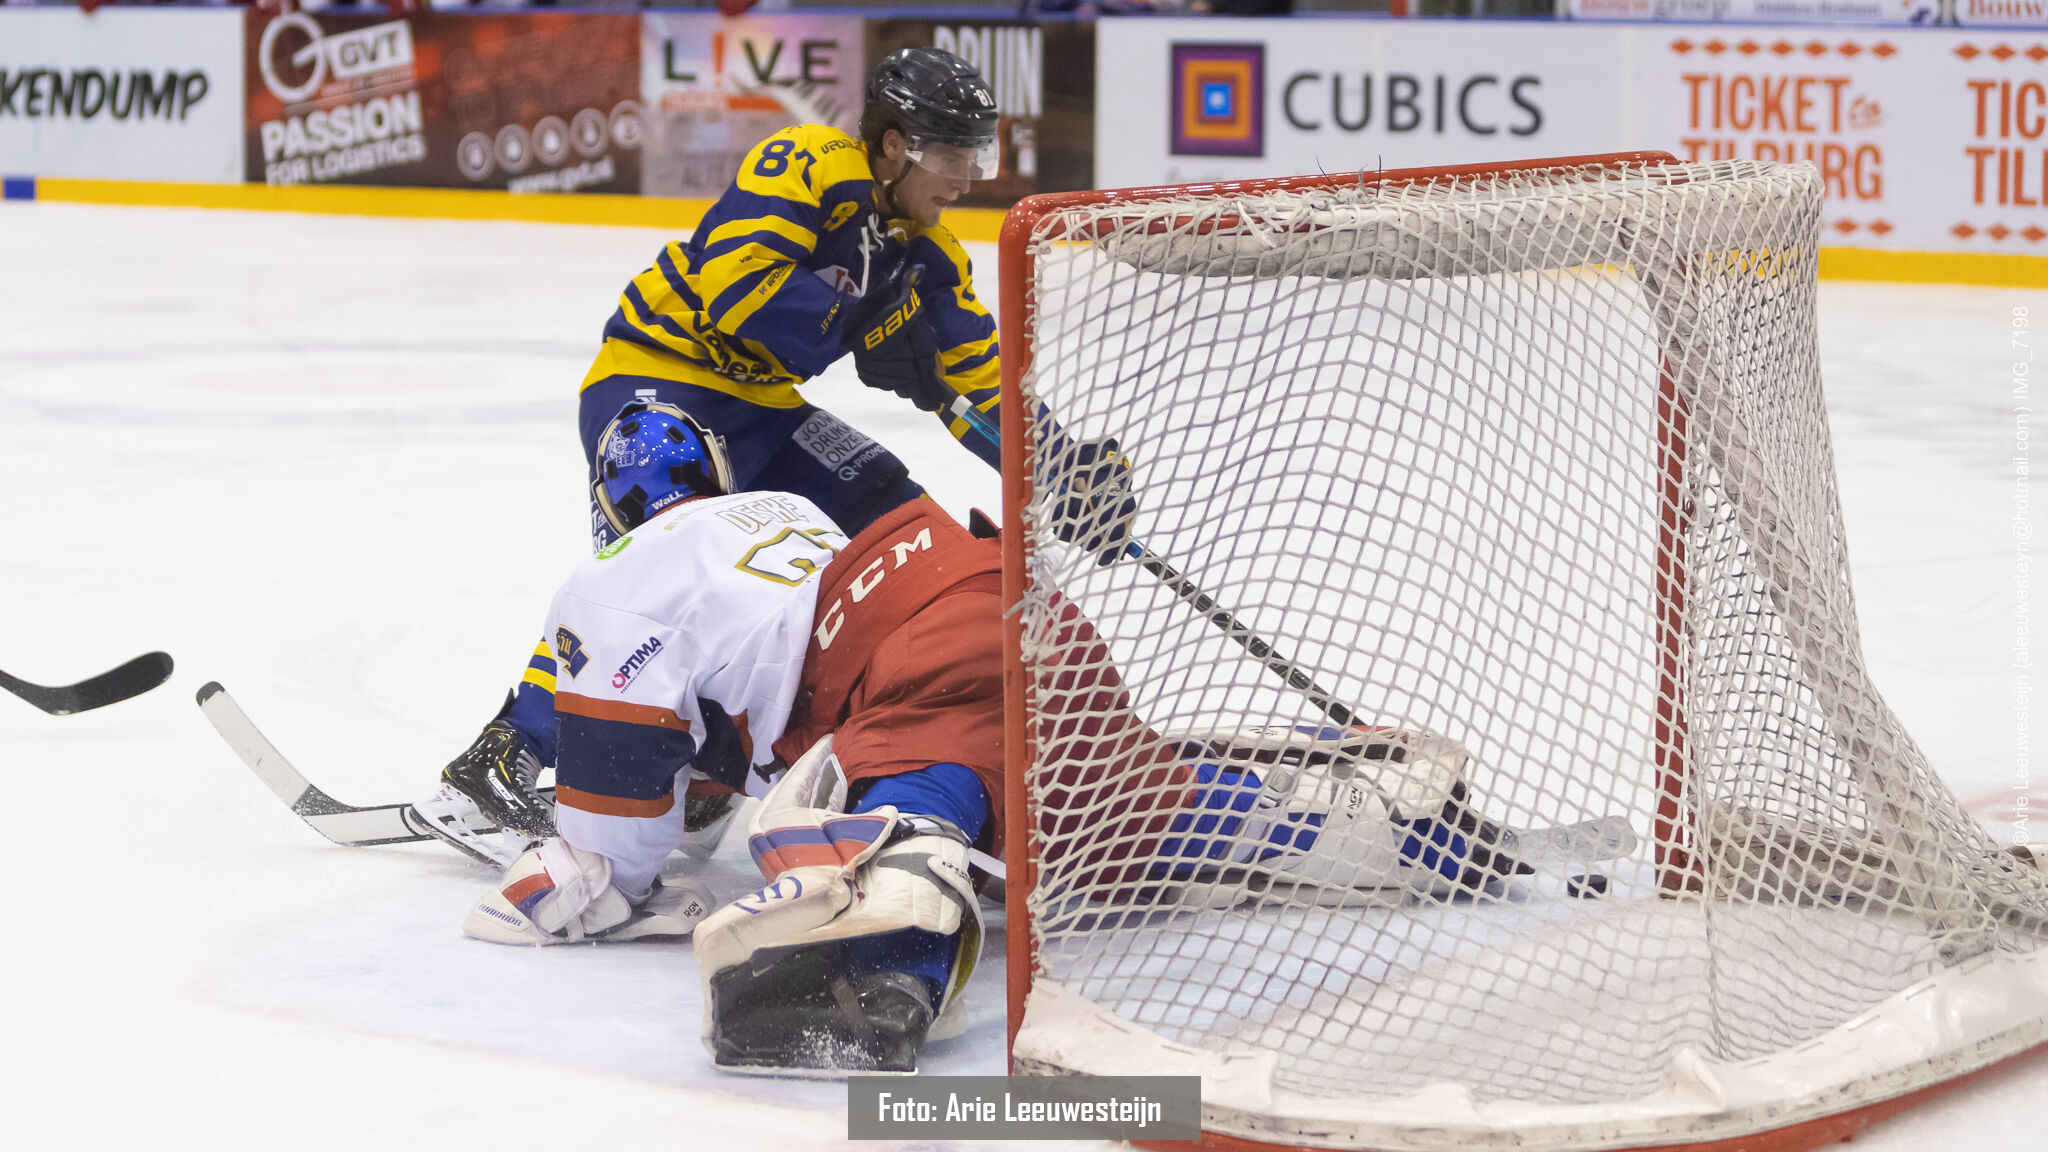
[
  {"x": 2002, "y": 269},
  {"x": 976, "y": 225},
  {"x": 979, "y": 224}
]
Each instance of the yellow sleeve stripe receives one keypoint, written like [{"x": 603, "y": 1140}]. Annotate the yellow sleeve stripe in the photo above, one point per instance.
[
  {"x": 787, "y": 229},
  {"x": 967, "y": 351},
  {"x": 718, "y": 274},
  {"x": 988, "y": 374},
  {"x": 542, "y": 649},
  {"x": 545, "y": 681},
  {"x": 763, "y": 291}
]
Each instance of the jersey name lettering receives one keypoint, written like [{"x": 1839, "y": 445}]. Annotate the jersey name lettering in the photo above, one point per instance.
[{"x": 758, "y": 514}]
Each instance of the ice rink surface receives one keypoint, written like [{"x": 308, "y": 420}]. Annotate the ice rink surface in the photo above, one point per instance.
[{"x": 331, "y": 462}]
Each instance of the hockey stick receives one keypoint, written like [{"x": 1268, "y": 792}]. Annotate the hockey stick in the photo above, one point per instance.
[
  {"x": 111, "y": 687},
  {"x": 1191, "y": 594},
  {"x": 344, "y": 824}
]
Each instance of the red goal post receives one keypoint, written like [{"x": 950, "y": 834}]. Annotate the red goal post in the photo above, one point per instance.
[{"x": 1500, "y": 314}]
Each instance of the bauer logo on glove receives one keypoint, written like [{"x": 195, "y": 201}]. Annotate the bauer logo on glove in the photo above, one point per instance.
[
  {"x": 901, "y": 312},
  {"x": 898, "y": 351}
]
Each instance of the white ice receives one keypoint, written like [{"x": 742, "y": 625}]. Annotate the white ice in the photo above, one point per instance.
[{"x": 331, "y": 462}]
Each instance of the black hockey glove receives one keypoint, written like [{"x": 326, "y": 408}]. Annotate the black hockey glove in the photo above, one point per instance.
[
  {"x": 1095, "y": 506},
  {"x": 898, "y": 352}
]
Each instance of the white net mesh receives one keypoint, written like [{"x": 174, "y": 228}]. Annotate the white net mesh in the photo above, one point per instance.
[{"x": 1529, "y": 460}]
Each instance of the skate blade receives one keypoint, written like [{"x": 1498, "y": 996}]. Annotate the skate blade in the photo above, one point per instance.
[{"x": 449, "y": 817}]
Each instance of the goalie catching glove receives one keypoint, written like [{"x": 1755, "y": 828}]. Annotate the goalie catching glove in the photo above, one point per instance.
[
  {"x": 898, "y": 351},
  {"x": 796, "y": 975}
]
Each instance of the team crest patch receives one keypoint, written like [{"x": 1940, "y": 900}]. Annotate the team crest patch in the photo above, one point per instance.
[{"x": 569, "y": 651}]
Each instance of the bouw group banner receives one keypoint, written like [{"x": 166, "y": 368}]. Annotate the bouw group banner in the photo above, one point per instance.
[
  {"x": 122, "y": 94},
  {"x": 1925, "y": 139},
  {"x": 1047, "y": 99},
  {"x": 715, "y": 87},
  {"x": 520, "y": 101}
]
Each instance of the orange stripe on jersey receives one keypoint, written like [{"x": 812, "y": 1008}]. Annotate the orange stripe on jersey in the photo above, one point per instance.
[
  {"x": 618, "y": 711},
  {"x": 616, "y": 805}
]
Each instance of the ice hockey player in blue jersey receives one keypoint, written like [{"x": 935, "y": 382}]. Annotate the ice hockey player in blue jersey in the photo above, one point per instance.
[{"x": 824, "y": 245}]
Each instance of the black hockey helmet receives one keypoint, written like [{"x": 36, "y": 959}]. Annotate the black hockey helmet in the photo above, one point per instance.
[{"x": 933, "y": 97}]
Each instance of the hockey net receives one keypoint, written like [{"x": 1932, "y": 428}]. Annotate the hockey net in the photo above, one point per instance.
[{"x": 1533, "y": 457}]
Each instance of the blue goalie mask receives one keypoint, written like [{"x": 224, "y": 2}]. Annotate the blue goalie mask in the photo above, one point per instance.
[{"x": 652, "y": 455}]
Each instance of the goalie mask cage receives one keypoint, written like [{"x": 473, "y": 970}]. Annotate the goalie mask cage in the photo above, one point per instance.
[{"x": 1534, "y": 457}]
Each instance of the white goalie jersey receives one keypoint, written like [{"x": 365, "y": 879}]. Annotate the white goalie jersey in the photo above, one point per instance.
[{"x": 710, "y": 603}]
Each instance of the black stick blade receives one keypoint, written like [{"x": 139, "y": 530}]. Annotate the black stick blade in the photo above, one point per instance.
[{"x": 111, "y": 687}]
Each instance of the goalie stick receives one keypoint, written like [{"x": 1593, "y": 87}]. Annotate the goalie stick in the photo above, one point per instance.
[
  {"x": 344, "y": 824},
  {"x": 110, "y": 687}
]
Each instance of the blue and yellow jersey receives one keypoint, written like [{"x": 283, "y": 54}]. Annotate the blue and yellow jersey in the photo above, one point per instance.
[{"x": 760, "y": 297}]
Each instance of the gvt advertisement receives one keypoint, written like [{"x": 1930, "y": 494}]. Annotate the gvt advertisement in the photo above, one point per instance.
[{"x": 520, "y": 101}]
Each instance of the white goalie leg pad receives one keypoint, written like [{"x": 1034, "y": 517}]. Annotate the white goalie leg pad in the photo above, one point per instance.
[
  {"x": 1339, "y": 790},
  {"x": 1413, "y": 772},
  {"x": 557, "y": 893},
  {"x": 835, "y": 877}
]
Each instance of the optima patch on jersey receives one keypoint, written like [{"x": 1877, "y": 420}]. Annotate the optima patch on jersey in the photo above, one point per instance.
[
  {"x": 569, "y": 651},
  {"x": 636, "y": 662}
]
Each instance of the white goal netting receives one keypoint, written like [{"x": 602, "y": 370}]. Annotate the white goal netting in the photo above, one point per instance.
[{"x": 1535, "y": 460}]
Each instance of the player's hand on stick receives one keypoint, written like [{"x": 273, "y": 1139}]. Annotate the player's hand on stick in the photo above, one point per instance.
[
  {"x": 897, "y": 351},
  {"x": 1095, "y": 505}
]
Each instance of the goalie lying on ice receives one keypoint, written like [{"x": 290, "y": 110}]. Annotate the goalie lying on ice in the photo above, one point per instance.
[{"x": 875, "y": 666}]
